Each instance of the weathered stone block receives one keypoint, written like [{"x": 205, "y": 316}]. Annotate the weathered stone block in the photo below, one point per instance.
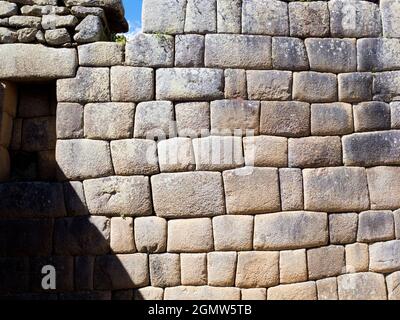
[
  {"x": 101, "y": 54},
  {"x": 241, "y": 186},
  {"x": 371, "y": 149},
  {"x": 189, "y": 50},
  {"x": 194, "y": 269},
  {"x": 291, "y": 187},
  {"x": 386, "y": 85},
  {"x": 192, "y": 119},
  {"x": 69, "y": 123},
  {"x": 343, "y": 228},
  {"x": 83, "y": 159},
  {"x": 8, "y": 9},
  {"x": 201, "y": 16},
  {"x": 151, "y": 234},
  {"x": 233, "y": 233},
  {"x": 293, "y": 266},
  {"x": 314, "y": 152},
  {"x": 82, "y": 236},
  {"x": 355, "y": 19},
  {"x": 257, "y": 269},
  {"x": 395, "y": 114},
  {"x": 165, "y": 270},
  {"x": 201, "y": 293},
  {"x": 393, "y": 282},
  {"x": 164, "y": 16},
  {"x": 289, "y": 54},
  {"x": 265, "y": 17},
  {"x": 128, "y": 196},
  {"x": 327, "y": 289},
  {"x": 390, "y": 19},
  {"x": 121, "y": 239},
  {"x": 221, "y": 268},
  {"x": 362, "y": 286},
  {"x": 217, "y": 153},
  {"x": 74, "y": 197},
  {"x": 234, "y": 117},
  {"x": 384, "y": 257},
  {"x": 378, "y": 54},
  {"x": 295, "y": 291},
  {"x": 309, "y": 19},
  {"x": 254, "y": 294},
  {"x": 265, "y": 151},
  {"x": 375, "y": 226},
  {"x": 150, "y": 50},
  {"x": 89, "y": 85},
  {"x": 121, "y": 272},
  {"x": 31, "y": 200},
  {"x": 176, "y": 155},
  {"x": 290, "y": 230},
  {"x": 288, "y": 119},
  {"x": 39, "y": 134},
  {"x": 229, "y": 16},
  {"x": 148, "y": 293},
  {"x": 325, "y": 262},
  {"x": 154, "y": 119},
  {"x": 235, "y": 84},
  {"x": 384, "y": 185},
  {"x": 331, "y": 119},
  {"x": 332, "y": 55},
  {"x": 315, "y": 87},
  {"x": 109, "y": 121},
  {"x": 233, "y": 51},
  {"x": 269, "y": 85},
  {"x": 178, "y": 194},
  {"x": 355, "y": 87},
  {"x": 372, "y": 116},
  {"x": 189, "y": 84},
  {"x": 324, "y": 189},
  {"x": 190, "y": 236},
  {"x": 134, "y": 157},
  {"x": 357, "y": 258}
]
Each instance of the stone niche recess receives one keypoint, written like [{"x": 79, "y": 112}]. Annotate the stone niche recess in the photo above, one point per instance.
[{"x": 235, "y": 149}]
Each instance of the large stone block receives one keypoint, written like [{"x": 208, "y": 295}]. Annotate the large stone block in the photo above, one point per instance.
[
  {"x": 384, "y": 257},
  {"x": 390, "y": 18},
  {"x": 325, "y": 262},
  {"x": 150, "y": 50},
  {"x": 384, "y": 187},
  {"x": 31, "y": 200},
  {"x": 187, "y": 84},
  {"x": 291, "y": 187},
  {"x": 254, "y": 294},
  {"x": 121, "y": 272},
  {"x": 327, "y": 289},
  {"x": 357, "y": 258},
  {"x": 234, "y": 117},
  {"x": 375, "y": 226},
  {"x": 233, "y": 233},
  {"x": 395, "y": 114},
  {"x": 101, "y": 54},
  {"x": 202, "y": 293},
  {"x": 235, "y": 84},
  {"x": 14, "y": 56},
  {"x": 295, "y": 291},
  {"x": 269, "y": 85},
  {"x": 371, "y": 149},
  {"x": 355, "y": 19},
  {"x": 229, "y": 16},
  {"x": 393, "y": 286},
  {"x": 362, "y": 286},
  {"x": 290, "y": 230},
  {"x": 131, "y": 84},
  {"x": 165, "y": 270},
  {"x": 82, "y": 236},
  {"x": 355, "y": 86},
  {"x": 89, "y": 85},
  {"x": 293, "y": 266},
  {"x": 134, "y": 157},
  {"x": 343, "y": 228},
  {"x": 151, "y": 234},
  {"x": 332, "y": 55},
  {"x": 83, "y": 159},
  {"x": 309, "y": 19},
  {"x": 221, "y": 268},
  {"x": 265, "y": 151},
  {"x": 69, "y": 122},
  {"x": 126, "y": 196},
  {"x": 109, "y": 121},
  {"x": 233, "y": 51},
  {"x": 196, "y": 194},
  {"x": 265, "y": 17},
  {"x": 336, "y": 189},
  {"x": 190, "y": 236},
  {"x": 289, "y": 54},
  {"x": 286, "y": 118},
  {"x": 201, "y": 16},
  {"x": 251, "y": 190},
  {"x": 331, "y": 119},
  {"x": 314, "y": 152},
  {"x": 192, "y": 119},
  {"x": 371, "y": 116},
  {"x": 217, "y": 153},
  {"x": 176, "y": 155},
  {"x": 148, "y": 293},
  {"x": 384, "y": 55},
  {"x": 315, "y": 87},
  {"x": 257, "y": 269},
  {"x": 121, "y": 239},
  {"x": 189, "y": 50},
  {"x": 164, "y": 16},
  {"x": 194, "y": 269},
  {"x": 386, "y": 85}
]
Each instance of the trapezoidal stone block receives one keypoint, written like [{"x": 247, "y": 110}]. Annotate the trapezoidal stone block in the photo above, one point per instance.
[
  {"x": 294, "y": 291},
  {"x": 362, "y": 286},
  {"x": 384, "y": 257},
  {"x": 338, "y": 189},
  {"x": 188, "y": 194},
  {"x": 290, "y": 230},
  {"x": 384, "y": 187},
  {"x": 201, "y": 293}
]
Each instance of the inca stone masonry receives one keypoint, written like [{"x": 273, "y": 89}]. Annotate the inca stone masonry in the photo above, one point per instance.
[{"x": 236, "y": 149}]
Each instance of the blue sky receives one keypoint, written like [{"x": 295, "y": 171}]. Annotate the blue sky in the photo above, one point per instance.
[{"x": 133, "y": 13}]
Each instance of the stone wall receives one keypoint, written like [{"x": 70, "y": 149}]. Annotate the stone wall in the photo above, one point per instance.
[{"x": 234, "y": 150}]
